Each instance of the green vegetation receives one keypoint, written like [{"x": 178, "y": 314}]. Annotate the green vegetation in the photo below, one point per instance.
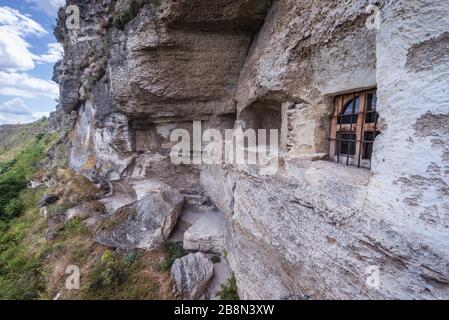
[
  {"x": 110, "y": 273},
  {"x": 75, "y": 227},
  {"x": 119, "y": 277},
  {"x": 31, "y": 266},
  {"x": 172, "y": 251},
  {"x": 14, "y": 179},
  {"x": 122, "y": 18},
  {"x": 20, "y": 267},
  {"x": 229, "y": 290},
  {"x": 215, "y": 259},
  {"x": 15, "y": 138},
  {"x": 16, "y": 172},
  {"x": 57, "y": 209}
]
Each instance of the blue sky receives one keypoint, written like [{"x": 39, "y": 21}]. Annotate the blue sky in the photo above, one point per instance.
[{"x": 28, "y": 52}]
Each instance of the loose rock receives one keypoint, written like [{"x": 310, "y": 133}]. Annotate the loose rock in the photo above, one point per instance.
[{"x": 191, "y": 274}]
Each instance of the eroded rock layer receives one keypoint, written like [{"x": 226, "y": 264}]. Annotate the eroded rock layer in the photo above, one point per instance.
[{"x": 136, "y": 71}]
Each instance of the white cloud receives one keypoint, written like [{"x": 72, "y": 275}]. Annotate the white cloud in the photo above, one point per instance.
[
  {"x": 54, "y": 54},
  {"x": 24, "y": 85},
  {"x": 16, "y": 58},
  {"x": 15, "y": 92},
  {"x": 19, "y": 22},
  {"x": 14, "y": 49},
  {"x": 15, "y": 107},
  {"x": 16, "y": 111},
  {"x": 14, "y": 53},
  {"x": 50, "y": 7},
  {"x": 22, "y": 119}
]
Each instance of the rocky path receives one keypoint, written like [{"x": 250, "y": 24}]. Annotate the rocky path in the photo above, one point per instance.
[
  {"x": 202, "y": 222},
  {"x": 143, "y": 213}
]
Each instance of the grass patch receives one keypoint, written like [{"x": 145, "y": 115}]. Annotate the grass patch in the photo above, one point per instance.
[
  {"x": 15, "y": 138},
  {"x": 21, "y": 275},
  {"x": 229, "y": 290},
  {"x": 55, "y": 210},
  {"x": 23, "y": 147},
  {"x": 172, "y": 251},
  {"x": 17, "y": 172},
  {"x": 32, "y": 267},
  {"x": 119, "y": 277},
  {"x": 75, "y": 227}
]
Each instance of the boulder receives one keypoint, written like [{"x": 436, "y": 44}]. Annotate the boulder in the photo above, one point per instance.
[
  {"x": 191, "y": 275},
  {"x": 145, "y": 223},
  {"x": 80, "y": 211},
  {"x": 116, "y": 201},
  {"x": 35, "y": 184},
  {"x": 206, "y": 235}
]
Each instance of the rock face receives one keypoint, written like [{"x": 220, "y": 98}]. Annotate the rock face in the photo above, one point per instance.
[
  {"x": 191, "y": 275},
  {"x": 170, "y": 63},
  {"x": 316, "y": 229},
  {"x": 206, "y": 235},
  {"x": 146, "y": 222},
  {"x": 138, "y": 70}
]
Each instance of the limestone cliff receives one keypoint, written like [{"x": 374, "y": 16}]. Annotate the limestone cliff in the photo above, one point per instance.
[{"x": 136, "y": 70}]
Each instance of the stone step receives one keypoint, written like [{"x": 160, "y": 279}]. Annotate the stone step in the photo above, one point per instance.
[{"x": 207, "y": 234}]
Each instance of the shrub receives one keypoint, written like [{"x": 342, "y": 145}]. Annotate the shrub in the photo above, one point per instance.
[
  {"x": 75, "y": 227},
  {"x": 122, "y": 18},
  {"x": 215, "y": 259},
  {"x": 107, "y": 274},
  {"x": 40, "y": 136},
  {"x": 172, "y": 251},
  {"x": 229, "y": 290},
  {"x": 14, "y": 208},
  {"x": 131, "y": 257},
  {"x": 11, "y": 183},
  {"x": 5, "y": 167}
]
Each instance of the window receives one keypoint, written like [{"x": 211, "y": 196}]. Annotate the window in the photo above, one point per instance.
[{"x": 354, "y": 128}]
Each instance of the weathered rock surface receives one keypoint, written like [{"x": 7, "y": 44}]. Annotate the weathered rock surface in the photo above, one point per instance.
[
  {"x": 206, "y": 235},
  {"x": 116, "y": 201},
  {"x": 168, "y": 63},
  {"x": 313, "y": 229},
  {"x": 191, "y": 275},
  {"x": 79, "y": 211},
  {"x": 146, "y": 222},
  {"x": 87, "y": 213}
]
